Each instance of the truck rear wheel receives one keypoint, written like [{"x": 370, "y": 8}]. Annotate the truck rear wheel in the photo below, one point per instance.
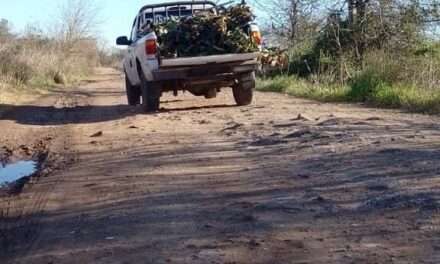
[
  {"x": 151, "y": 92},
  {"x": 133, "y": 92},
  {"x": 244, "y": 90}
]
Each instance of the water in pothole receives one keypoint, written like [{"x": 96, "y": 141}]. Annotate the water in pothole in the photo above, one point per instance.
[{"x": 15, "y": 171}]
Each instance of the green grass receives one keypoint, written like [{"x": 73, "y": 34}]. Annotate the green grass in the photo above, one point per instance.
[
  {"x": 406, "y": 97},
  {"x": 366, "y": 87},
  {"x": 301, "y": 88}
]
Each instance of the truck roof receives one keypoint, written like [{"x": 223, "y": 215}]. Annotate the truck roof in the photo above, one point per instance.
[{"x": 177, "y": 3}]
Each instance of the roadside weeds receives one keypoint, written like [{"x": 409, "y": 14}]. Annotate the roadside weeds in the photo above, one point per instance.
[{"x": 363, "y": 90}]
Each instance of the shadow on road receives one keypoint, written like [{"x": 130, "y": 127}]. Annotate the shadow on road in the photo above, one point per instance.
[
  {"x": 51, "y": 115},
  {"x": 193, "y": 108}
]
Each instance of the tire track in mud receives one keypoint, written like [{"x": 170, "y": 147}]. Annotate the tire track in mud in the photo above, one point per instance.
[{"x": 22, "y": 212}]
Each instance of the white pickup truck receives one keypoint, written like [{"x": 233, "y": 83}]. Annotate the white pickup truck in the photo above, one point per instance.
[{"x": 148, "y": 74}]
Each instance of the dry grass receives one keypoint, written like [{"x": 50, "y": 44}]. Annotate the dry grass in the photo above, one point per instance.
[{"x": 36, "y": 62}]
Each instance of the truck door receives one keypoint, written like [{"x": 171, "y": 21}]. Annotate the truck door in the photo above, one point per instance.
[{"x": 130, "y": 63}]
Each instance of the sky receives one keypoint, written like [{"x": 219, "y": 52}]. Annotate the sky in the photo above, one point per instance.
[{"x": 116, "y": 15}]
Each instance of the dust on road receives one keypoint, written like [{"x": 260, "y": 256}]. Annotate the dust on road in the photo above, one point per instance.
[{"x": 284, "y": 180}]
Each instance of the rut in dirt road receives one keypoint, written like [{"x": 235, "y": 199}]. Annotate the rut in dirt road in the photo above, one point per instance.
[{"x": 203, "y": 181}]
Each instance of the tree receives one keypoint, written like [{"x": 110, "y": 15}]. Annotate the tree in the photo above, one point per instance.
[
  {"x": 292, "y": 20},
  {"x": 78, "y": 20}
]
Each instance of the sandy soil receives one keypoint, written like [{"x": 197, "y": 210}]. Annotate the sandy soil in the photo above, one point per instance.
[{"x": 284, "y": 180}]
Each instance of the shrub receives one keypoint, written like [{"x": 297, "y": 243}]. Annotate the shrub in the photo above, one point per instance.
[
  {"x": 13, "y": 67},
  {"x": 365, "y": 84}
]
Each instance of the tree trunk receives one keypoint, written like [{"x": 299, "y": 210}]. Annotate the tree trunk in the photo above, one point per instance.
[
  {"x": 351, "y": 11},
  {"x": 293, "y": 17}
]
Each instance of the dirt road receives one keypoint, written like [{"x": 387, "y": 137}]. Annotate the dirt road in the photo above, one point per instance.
[{"x": 281, "y": 181}]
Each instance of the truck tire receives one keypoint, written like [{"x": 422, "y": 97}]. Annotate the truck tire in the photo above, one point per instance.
[
  {"x": 133, "y": 92},
  {"x": 151, "y": 92},
  {"x": 244, "y": 90}
]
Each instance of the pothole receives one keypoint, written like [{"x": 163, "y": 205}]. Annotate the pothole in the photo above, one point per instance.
[
  {"x": 17, "y": 171},
  {"x": 20, "y": 165}
]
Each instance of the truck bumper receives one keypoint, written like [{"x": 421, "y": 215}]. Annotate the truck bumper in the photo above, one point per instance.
[{"x": 212, "y": 71}]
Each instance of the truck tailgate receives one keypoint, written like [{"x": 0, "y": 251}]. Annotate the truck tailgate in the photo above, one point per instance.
[{"x": 203, "y": 60}]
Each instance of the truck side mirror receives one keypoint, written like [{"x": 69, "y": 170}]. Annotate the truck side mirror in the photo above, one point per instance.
[{"x": 123, "y": 41}]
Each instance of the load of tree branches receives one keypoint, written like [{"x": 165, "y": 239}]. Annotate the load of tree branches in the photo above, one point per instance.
[
  {"x": 273, "y": 60},
  {"x": 207, "y": 33}
]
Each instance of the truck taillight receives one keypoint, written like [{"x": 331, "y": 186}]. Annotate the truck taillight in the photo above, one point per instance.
[
  {"x": 151, "y": 48},
  {"x": 256, "y": 37}
]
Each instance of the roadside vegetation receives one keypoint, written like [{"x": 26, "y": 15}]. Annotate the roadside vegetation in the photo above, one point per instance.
[
  {"x": 35, "y": 59},
  {"x": 62, "y": 54},
  {"x": 383, "y": 53}
]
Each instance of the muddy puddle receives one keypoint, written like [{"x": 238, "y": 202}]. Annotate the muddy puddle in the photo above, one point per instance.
[{"x": 11, "y": 173}]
